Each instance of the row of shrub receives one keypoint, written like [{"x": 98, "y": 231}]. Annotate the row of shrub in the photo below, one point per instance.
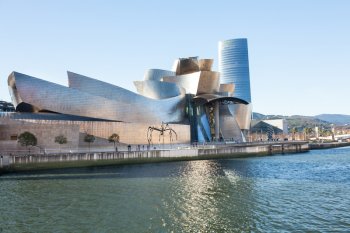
[{"x": 29, "y": 140}]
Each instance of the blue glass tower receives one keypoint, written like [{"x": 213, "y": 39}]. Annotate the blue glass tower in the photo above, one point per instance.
[{"x": 234, "y": 66}]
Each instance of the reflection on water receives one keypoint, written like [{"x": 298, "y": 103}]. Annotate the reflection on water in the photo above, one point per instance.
[
  {"x": 300, "y": 192},
  {"x": 200, "y": 197}
]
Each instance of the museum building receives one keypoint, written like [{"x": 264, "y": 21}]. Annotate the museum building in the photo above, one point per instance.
[{"x": 190, "y": 99}]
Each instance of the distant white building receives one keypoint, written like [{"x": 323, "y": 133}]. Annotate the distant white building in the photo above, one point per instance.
[{"x": 279, "y": 123}]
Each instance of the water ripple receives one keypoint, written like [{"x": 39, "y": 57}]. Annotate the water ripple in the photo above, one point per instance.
[{"x": 284, "y": 193}]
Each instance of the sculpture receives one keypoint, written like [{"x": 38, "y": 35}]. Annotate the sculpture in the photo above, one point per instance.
[{"x": 163, "y": 128}]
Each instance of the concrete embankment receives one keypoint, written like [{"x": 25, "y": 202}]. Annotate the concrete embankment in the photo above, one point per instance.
[
  {"x": 328, "y": 145},
  {"x": 64, "y": 160}
]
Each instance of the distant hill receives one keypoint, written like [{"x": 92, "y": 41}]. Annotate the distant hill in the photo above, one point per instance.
[
  {"x": 258, "y": 116},
  {"x": 324, "y": 121},
  {"x": 301, "y": 122},
  {"x": 296, "y": 121},
  {"x": 337, "y": 119}
]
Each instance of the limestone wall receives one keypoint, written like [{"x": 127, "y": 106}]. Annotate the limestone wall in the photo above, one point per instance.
[
  {"x": 47, "y": 130},
  {"x": 45, "y": 134}
]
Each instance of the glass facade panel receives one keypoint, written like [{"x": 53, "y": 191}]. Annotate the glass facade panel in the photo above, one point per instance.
[{"x": 234, "y": 66}]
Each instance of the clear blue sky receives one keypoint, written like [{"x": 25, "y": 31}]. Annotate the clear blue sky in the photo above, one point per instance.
[{"x": 299, "y": 50}]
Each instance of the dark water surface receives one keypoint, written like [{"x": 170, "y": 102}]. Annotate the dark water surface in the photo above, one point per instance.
[{"x": 307, "y": 192}]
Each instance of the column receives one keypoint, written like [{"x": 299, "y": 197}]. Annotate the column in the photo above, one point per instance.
[{"x": 217, "y": 117}]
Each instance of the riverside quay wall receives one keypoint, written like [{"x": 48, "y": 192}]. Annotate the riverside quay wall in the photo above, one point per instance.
[
  {"x": 63, "y": 160},
  {"x": 328, "y": 145}
]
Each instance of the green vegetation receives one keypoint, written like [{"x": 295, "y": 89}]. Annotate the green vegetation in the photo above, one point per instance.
[
  {"x": 307, "y": 132},
  {"x": 27, "y": 139},
  {"x": 294, "y": 131},
  {"x": 115, "y": 139},
  {"x": 319, "y": 120},
  {"x": 89, "y": 139},
  {"x": 325, "y": 132},
  {"x": 302, "y": 122},
  {"x": 296, "y": 121},
  {"x": 61, "y": 139}
]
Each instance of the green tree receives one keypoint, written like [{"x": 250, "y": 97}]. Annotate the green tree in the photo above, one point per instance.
[
  {"x": 294, "y": 131},
  {"x": 61, "y": 139},
  {"x": 27, "y": 139},
  {"x": 115, "y": 139},
  {"x": 307, "y": 132},
  {"x": 325, "y": 132},
  {"x": 89, "y": 139}
]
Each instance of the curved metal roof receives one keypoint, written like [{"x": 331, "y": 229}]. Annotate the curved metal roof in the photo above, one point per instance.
[{"x": 207, "y": 98}]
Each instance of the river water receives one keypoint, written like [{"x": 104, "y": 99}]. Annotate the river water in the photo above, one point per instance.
[{"x": 308, "y": 192}]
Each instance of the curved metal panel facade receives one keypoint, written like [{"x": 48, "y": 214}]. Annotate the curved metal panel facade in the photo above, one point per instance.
[
  {"x": 209, "y": 82},
  {"x": 186, "y": 65},
  {"x": 205, "y": 64},
  {"x": 198, "y": 82},
  {"x": 228, "y": 88},
  {"x": 207, "y": 98},
  {"x": 158, "y": 90},
  {"x": 166, "y": 110},
  {"x": 188, "y": 81},
  {"x": 234, "y": 66},
  {"x": 157, "y": 74},
  {"x": 229, "y": 126},
  {"x": 96, "y": 99},
  {"x": 243, "y": 114}
]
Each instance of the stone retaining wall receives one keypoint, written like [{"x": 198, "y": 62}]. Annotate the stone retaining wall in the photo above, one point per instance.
[{"x": 32, "y": 162}]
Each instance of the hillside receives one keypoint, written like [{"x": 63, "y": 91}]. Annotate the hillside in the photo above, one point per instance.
[
  {"x": 337, "y": 119},
  {"x": 297, "y": 121},
  {"x": 301, "y": 122}
]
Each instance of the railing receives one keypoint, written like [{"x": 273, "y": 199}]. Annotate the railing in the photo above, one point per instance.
[{"x": 124, "y": 148}]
